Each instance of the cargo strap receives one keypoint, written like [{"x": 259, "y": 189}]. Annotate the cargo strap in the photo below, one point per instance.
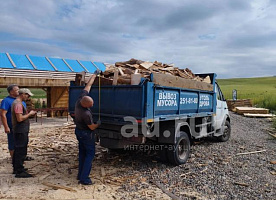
[
  {"x": 99, "y": 92},
  {"x": 99, "y": 97}
]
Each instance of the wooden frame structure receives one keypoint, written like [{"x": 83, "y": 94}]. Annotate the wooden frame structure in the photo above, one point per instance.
[{"x": 55, "y": 84}]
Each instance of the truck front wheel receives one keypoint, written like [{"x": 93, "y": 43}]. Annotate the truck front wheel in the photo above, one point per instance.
[
  {"x": 226, "y": 132},
  {"x": 179, "y": 153}
]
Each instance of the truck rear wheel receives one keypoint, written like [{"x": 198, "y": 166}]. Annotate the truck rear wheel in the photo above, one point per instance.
[
  {"x": 226, "y": 132},
  {"x": 179, "y": 153}
]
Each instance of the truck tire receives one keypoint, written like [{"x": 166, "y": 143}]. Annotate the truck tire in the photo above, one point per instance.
[
  {"x": 226, "y": 133},
  {"x": 179, "y": 153}
]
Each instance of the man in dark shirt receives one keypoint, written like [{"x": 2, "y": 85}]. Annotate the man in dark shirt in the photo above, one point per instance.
[
  {"x": 21, "y": 128},
  {"x": 84, "y": 132}
]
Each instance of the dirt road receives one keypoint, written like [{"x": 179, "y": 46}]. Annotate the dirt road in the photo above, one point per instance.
[{"x": 213, "y": 171}]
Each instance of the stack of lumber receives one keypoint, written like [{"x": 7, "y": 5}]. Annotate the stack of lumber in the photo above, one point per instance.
[
  {"x": 239, "y": 103},
  {"x": 131, "y": 72},
  {"x": 253, "y": 112}
]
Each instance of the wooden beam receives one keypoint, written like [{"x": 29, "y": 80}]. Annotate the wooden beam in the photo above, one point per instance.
[
  {"x": 31, "y": 61},
  {"x": 175, "y": 81},
  {"x": 34, "y": 82},
  {"x": 51, "y": 63},
  {"x": 49, "y": 100},
  {"x": 82, "y": 66},
  {"x": 95, "y": 65},
  {"x": 62, "y": 93},
  {"x": 67, "y": 65},
  {"x": 9, "y": 57}
]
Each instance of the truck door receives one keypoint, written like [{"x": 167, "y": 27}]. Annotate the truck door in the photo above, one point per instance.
[{"x": 221, "y": 108}]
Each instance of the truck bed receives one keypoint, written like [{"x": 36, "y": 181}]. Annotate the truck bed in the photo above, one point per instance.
[{"x": 146, "y": 101}]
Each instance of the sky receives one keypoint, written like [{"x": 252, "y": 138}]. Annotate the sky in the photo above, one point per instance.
[{"x": 233, "y": 38}]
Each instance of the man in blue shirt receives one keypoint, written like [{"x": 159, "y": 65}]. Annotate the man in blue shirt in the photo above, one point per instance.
[{"x": 6, "y": 104}]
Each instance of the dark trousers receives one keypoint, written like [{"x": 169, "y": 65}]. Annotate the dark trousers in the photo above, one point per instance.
[
  {"x": 86, "y": 153},
  {"x": 20, "y": 151}
]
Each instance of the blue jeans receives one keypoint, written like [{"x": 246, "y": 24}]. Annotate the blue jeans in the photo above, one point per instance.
[
  {"x": 86, "y": 153},
  {"x": 10, "y": 140}
]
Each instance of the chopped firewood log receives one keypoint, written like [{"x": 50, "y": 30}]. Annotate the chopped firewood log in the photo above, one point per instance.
[
  {"x": 167, "y": 68},
  {"x": 124, "y": 80},
  {"x": 146, "y": 65},
  {"x": 115, "y": 78},
  {"x": 134, "y": 66},
  {"x": 207, "y": 79},
  {"x": 128, "y": 71},
  {"x": 121, "y": 71}
]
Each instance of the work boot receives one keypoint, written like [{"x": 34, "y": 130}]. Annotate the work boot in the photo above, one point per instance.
[
  {"x": 14, "y": 172},
  {"x": 28, "y": 158},
  {"x": 86, "y": 183},
  {"x": 23, "y": 175}
]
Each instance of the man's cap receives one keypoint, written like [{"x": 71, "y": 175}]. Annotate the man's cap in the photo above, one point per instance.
[{"x": 25, "y": 91}]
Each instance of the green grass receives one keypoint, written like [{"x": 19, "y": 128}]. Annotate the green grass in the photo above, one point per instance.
[
  {"x": 274, "y": 123},
  {"x": 38, "y": 93},
  {"x": 261, "y": 90}
]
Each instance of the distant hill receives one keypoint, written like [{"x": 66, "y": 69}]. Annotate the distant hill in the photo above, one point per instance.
[{"x": 261, "y": 90}]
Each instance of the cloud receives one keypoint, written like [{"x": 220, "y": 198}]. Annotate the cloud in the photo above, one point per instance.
[{"x": 226, "y": 37}]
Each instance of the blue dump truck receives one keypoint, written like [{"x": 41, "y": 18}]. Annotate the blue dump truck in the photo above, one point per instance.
[{"x": 155, "y": 116}]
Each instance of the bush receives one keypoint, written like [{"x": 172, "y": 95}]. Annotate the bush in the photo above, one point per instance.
[{"x": 38, "y": 103}]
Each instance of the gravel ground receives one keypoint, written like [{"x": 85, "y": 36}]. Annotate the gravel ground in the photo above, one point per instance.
[{"x": 214, "y": 170}]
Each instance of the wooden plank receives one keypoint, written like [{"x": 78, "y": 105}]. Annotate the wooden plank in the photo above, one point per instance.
[
  {"x": 239, "y": 103},
  {"x": 104, "y": 81},
  {"x": 121, "y": 71},
  {"x": 259, "y": 115},
  {"x": 57, "y": 94},
  {"x": 34, "y": 82},
  {"x": 252, "y": 152},
  {"x": 124, "y": 80},
  {"x": 175, "y": 81},
  {"x": 251, "y": 110},
  {"x": 115, "y": 78},
  {"x": 128, "y": 71},
  {"x": 59, "y": 187},
  {"x": 146, "y": 65}
]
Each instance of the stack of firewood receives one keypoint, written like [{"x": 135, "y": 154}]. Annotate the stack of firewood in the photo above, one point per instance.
[{"x": 123, "y": 72}]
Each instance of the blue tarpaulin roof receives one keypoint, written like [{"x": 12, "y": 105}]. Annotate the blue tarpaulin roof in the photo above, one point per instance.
[{"x": 14, "y": 61}]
